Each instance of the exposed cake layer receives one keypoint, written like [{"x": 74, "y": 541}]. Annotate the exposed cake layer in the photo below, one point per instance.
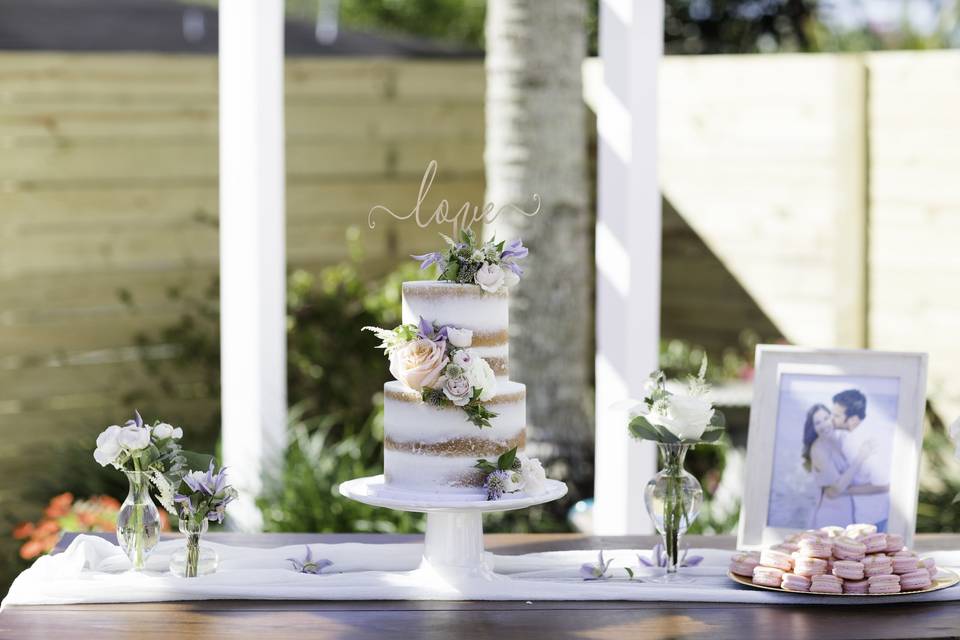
[
  {"x": 418, "y": 472},
  {"x": 406, "y": 418},
  {"x": 464, "y": 306}
]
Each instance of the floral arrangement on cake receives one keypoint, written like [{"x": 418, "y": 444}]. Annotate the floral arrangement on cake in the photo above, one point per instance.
[
  {"x": 512, "y": 473},
  {"x": 490, "y": 265},
  {"x": 438, "y": 363},
  {"x": 667, "y": 417}
]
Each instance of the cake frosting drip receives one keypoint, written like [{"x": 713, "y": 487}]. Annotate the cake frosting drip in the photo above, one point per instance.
[{"x": 435, "y": 448}]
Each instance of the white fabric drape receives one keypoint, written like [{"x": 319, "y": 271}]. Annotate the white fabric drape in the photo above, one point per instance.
[{"x": 93, "y": 570}]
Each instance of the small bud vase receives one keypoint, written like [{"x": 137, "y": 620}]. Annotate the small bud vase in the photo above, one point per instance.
[
  {"x": 138, "y": 521},
  {"x": 673, "y": 498},
  {"x": 195, "y": 559}
]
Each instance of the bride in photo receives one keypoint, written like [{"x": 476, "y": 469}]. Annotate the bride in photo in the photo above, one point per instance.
[{"x": 833, "y": 473}]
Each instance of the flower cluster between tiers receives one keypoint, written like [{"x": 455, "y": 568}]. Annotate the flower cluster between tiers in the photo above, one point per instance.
[
  {"x": 669, "y": 417},
  {"x": 438, "y": 363},
  {"x": 512, "y": 473},
  {"x": 491, "y": 265}
]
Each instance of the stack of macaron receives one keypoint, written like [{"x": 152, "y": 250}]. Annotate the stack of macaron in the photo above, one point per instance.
[{"x": 850, "y": 560}]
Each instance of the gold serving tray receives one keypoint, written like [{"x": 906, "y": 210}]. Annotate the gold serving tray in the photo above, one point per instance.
[{"x": 945, "y": 579}]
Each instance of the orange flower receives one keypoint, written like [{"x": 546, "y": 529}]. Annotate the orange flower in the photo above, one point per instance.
[
  {"x": 46, "y": 528},
  {"x": 59, "y": 505},
  {"x": 23, "y": 530},
  {"x": 31, "y": 549},
  {"x": 106, "y": 502}
]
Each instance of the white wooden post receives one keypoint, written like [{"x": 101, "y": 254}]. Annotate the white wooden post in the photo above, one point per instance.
[
  {"x": 252, "y": 250},
  {"x": 627, "y": 254}
]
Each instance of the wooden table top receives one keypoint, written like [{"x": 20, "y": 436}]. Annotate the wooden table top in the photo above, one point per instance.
[{"x": 413, "y": 620}]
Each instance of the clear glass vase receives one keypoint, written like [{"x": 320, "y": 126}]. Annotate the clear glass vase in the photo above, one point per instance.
[
  {"x": 138, "y": 522},
  {"x": 673, "y": 498},
  {"x": 194, "y": 559}
]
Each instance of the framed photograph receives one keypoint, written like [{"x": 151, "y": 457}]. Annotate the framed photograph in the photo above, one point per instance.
[{"x": 835, "y": 439}]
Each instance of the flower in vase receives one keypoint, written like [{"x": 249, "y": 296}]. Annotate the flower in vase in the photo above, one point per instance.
[
  {"x": 164, "y": 431},
  {"x": 598, "y": 571},
  {"x": 309, "y": 565},
  {"x": 134, "y": 438},
  {"x": 108, "y": 446},
  {"x": 686, "y": 416}
]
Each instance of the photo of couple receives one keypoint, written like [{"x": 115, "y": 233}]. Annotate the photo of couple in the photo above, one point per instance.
[{"x": 833, "y": 451}]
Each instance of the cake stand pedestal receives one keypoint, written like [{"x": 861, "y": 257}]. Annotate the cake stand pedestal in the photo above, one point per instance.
[{"x": 453, "y": 546}]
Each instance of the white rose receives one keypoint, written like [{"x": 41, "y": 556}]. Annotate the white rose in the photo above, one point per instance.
[
  {"x": 687, "y": 417},
  {"x": 460, "y": 338},
  {"x": 134, "y": 437},
  {"x": 510, "y": 279},
  {"x": 481, "y": 376},
  {"x": 514, "y": 482},
  {"x": 162, "y": 431},
  {"x": 489, "y": 277},
  {"x": 177, "y": 433},
  {"x": 534, "y": 477},
  {"x": 108, "y": 446},
  {"x": 463, "y": 358},
  {"x": 457, "y": 390}
]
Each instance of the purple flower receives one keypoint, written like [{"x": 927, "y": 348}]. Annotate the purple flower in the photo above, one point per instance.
[
  {"x": 513, "y": 266},
  {"x": 309, "y": 565},
  {"x": 589, "y": 571},
  {"x": 495, "y": 484},
  {"x": 426, "y": 330},
  {"x": 514, "y": 251},
  {"x": 427, "y": 259},
  {"x": 658, "y": 558},
  {"x": 136, "y": 422}
]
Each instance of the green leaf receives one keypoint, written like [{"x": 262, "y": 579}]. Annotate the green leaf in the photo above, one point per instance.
[
  {"x": 718, "y": 420},
  {"x": 197, "y": 461},
  {"x": 641, "y": 428},
  {"x": 666, "y": 435},
  {"x": 485, "y": 465},
  {"x": 505, "y": 461},
  {"x": 629, "y": 572},
  {"x": 451, "y": 272},
  {"x": 711, "y": 435}
]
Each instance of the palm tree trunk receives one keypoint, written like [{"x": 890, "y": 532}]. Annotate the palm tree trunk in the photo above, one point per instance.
[{"x": 536, "y": 143}]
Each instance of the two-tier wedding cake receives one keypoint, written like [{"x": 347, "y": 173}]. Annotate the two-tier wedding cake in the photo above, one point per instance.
[{"x": 453, "y": 421}]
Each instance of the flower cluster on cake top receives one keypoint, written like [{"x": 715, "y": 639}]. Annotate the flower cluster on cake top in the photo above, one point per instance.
[
  {"x": 438, "y": 363},
  {"x": 490, "y": 265}
]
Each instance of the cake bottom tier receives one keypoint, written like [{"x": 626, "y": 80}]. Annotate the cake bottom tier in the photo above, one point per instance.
[{"x": 429, "y": 472}]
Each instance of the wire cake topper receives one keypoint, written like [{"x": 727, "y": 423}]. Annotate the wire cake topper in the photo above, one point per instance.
[{"x": 462, "y": 218}]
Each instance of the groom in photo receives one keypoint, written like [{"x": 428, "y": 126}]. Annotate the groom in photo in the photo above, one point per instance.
[{"x": 871, "y": 484}]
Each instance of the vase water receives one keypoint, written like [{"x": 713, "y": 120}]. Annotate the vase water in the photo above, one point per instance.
[
  {"x": 673, "y": 498},
  {"x": 138, "y": 522}
]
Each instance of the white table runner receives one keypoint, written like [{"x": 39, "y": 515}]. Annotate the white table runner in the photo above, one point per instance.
[{"x": 93, "y": 570}]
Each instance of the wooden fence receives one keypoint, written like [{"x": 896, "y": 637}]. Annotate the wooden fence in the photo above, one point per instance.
[
  {"x": 815, "y": 197},
  {"x": 108, "y": 183}
]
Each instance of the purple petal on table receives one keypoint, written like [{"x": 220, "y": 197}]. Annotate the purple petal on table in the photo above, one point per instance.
[
  {"x": 588, "y": 571},
  {"x": 644, "y": 561},
  {"x": 692, "y": 561}
]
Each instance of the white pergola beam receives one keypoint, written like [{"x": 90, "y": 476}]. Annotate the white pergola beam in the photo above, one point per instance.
[
  {"x": 252, "y": 249},
  {"x": 627, "y": 254}
]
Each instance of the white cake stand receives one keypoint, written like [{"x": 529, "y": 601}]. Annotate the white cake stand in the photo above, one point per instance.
[{"x": 453, "y": 545}]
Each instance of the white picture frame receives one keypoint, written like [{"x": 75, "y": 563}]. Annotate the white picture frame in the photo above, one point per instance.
[{"x": 801, "y": 368}]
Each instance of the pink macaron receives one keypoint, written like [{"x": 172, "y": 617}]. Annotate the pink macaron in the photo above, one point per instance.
[
  {"x": 860, "y": 529},
  {"x": 815, "y": 548},
  {"x": 894, "y": 542},
  {"x": 915, "y": 580},
  {"x": 785, "y": 547},
  {"x": 848, "y": 569},
  {"x": 743, "y": 564},
  {"x": 931, "y": 566},
  {"x": 856, "y": 586},
  {"x": 767, "y": 576},
  {"x": 776, "y": 559},
  {"x": 803, "y": 566},
  {"x": 845, "y": 548},
  {"x": 884, "y": 584},
  {"x": 904, "y": 563},
  {"x": 793, "y": 582},
  {"x": 832, "y": 531},
  {"x": 826, "y": 583},
  {"x": 877, "y": 564},
  {"x": 874, "y": 542}
]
